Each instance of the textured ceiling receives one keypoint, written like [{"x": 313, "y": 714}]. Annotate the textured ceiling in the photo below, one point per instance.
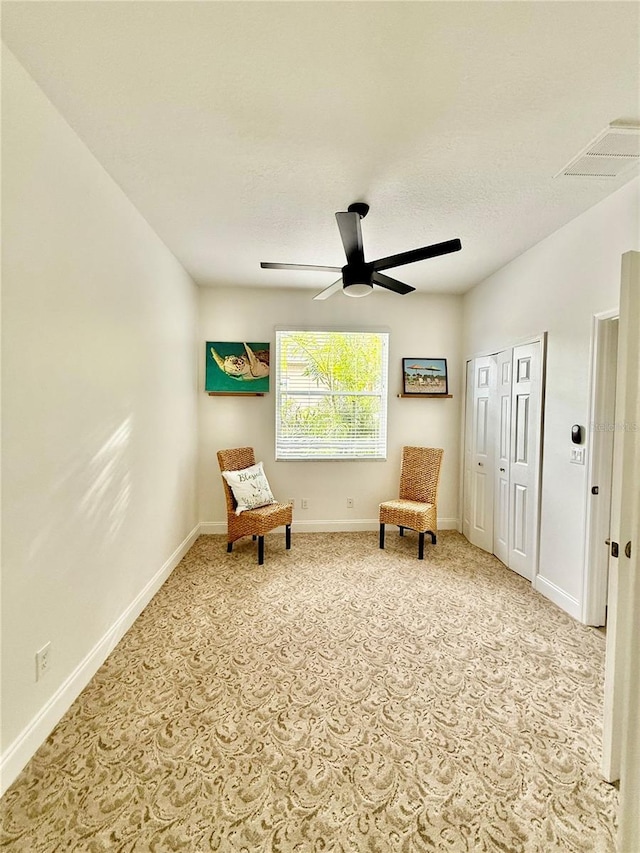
[{"x": 238, "y": 129}]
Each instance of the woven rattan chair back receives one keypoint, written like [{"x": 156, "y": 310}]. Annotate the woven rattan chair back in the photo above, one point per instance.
[
  {"x": 420, "y": 474},
  {"x": 235, "y": 459}
]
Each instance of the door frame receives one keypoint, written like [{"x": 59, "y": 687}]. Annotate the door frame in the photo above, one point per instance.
[
  {"x": 603, "y": 367},
  {"x": 540, "y": 338}
]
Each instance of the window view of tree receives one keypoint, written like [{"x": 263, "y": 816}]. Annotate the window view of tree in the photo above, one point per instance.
[{"x": 331, "y": 394}]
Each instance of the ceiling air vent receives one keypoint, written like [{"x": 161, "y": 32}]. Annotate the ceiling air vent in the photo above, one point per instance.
[{"x": 612, "y": 152}]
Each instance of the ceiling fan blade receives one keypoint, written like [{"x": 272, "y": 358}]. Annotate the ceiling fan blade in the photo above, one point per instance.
[
  {"x": 351, "y": 234},
  {"x": 391, "y": 283},
  {"x": 329, "y": 291},
  {"x": 266, "y": 266},
  {"x": 417, "y": 255}
]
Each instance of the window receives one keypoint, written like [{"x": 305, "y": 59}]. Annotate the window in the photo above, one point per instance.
[{"x": 331, "y": 394}]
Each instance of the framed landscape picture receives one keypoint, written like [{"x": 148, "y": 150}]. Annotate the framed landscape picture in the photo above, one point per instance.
[
  {"x": 425, "y": 376},
  {"x": 237, "y": 368}
]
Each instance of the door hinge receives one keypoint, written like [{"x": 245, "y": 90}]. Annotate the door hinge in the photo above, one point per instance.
[
  {"x": 595, "y": 490},
  {"x": 615, "y": 549}
]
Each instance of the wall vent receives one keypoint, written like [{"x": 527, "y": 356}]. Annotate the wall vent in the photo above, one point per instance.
[{"x": 612, "y": 152}]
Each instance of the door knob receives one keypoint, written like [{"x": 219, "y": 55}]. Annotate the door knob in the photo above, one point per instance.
[
  {"x": 627, "y": 550},
  {"x": 502, "y": 469}
]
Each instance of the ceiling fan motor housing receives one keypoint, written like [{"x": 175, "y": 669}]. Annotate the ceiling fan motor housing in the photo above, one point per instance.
[
  {"x": 356, "y": 279},
  {"x": 357, "y": 274}
]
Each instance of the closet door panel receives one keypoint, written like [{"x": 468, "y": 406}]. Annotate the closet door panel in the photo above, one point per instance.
[
  {"x": 524, "y": 468},
  {"x": 502, "y": 461},
  {"x": 479, "y": 458},
  {"x": 467, "y": 485}
]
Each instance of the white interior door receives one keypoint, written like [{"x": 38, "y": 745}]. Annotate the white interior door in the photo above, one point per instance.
[
  {"x": 479, "y": 476},
  {"x": 621, "y": 735},
  {"x": 502, "y": 464},
  {"x": 524, "y": 471}
]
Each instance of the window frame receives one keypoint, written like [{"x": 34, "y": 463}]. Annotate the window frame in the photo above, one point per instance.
[{"x": 347, "y": 453}]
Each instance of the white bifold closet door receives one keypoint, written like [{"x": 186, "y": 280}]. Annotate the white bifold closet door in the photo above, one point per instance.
[
  {"x": 479, "y": 452},
  {"x": 502, "y": 455}
]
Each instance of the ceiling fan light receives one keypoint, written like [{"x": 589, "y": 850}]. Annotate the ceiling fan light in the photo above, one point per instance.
[{"x": 358, "y": 289}]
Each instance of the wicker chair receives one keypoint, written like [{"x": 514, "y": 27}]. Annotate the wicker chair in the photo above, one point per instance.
[
  {"x": 417, "y": 505},
  {"x": 251, "y": 522}
]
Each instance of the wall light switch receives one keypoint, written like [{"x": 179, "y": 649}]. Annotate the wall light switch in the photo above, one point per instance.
[{"x": 577, "y": 455}]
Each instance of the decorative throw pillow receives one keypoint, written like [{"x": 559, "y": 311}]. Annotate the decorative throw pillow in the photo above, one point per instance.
[{"x": 250, "y": 487}]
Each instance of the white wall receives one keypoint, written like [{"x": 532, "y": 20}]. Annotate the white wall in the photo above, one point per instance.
[
  {"x": 420, "y": 326},
  {"x": 557, "y": 286},
  {"x": 99, "y": 398}
]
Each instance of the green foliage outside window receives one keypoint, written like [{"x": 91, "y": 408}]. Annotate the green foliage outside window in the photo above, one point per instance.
[{"x": 331, "y": 394}]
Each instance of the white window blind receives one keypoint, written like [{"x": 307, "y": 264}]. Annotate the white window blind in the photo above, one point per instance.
[{"x": 331, "y": 394}]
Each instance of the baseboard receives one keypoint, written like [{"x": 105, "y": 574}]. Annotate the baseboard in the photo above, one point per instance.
[
  {"x": 329, "y": 526},
  {"x": 449, "y": 524},
  {"x": 565, "y": 601},
  {"x": 358, "y": 525},
  {"x": 210, "y": 528},
  {"x": 33, "y": 736}
]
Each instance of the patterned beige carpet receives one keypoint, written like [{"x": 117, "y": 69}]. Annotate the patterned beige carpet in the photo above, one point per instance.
[{"x": 339, "y": 698}]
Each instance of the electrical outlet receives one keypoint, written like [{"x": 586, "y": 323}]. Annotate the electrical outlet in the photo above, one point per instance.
[
  {"x": 304, "y": 503},
  {"x": 349, "y": 503},
  {"x": 43, "y": 661}
]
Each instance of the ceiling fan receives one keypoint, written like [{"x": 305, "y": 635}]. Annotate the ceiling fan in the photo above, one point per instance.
[{"x": 359, "y": 276}]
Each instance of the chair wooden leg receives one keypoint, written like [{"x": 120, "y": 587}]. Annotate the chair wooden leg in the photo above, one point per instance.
[
  {"x": 254, "y": 537},
  {"x": 260, "y": 550},
  {"x": 287, "y": 534},
  {"x": 433, "y": 537},
  {"x": 421, "y": 546},
  {"x": 229, "y": 547},
  {"x": 401, "y": 531},
  {"x": 382, "y": 535}
]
